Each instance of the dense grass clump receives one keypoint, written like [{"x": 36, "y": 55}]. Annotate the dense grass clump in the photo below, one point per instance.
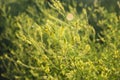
[{"x": 59, "y": 40}]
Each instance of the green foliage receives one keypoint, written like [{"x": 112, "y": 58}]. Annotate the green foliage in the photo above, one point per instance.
[{"x": 40, "y": 41}]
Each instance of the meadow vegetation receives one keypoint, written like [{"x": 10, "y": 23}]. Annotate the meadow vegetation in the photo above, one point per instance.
[{"x": 60, "y": 39}]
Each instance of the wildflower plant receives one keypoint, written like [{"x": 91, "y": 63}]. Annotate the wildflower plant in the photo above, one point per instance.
[{"x": 51, "y": 43}]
